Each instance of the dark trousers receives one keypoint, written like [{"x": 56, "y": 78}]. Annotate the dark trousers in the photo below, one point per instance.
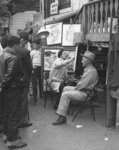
[
  {"x": 24, "y": 114},
  {"x": 1, "y": 109},
  {"x": 36, "y": 80},
  {"x": 12, "y": 109}
]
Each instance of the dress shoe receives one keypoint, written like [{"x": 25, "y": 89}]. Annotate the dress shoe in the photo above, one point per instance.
[
  {"x": 26, "y": 124},
  {"x": 5, "y": 138},
  {"x": 16, "y": 144},
  {"x": 60, "y": 120}
]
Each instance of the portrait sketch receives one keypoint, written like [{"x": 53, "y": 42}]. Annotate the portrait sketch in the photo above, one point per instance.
[
  {"x": 70, "y": 32},
  {"x": 55, "y": 33}
]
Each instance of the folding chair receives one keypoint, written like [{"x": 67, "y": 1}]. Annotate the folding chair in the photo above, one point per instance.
[{"x": 88, "y": 103}]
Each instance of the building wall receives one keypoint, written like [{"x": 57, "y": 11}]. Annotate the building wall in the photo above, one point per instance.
[
  {"x": 77, "y": 4},
  {"x": 19, "y": 20}
]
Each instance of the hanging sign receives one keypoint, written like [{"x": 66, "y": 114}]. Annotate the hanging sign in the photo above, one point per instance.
[{"x": 54, "y": 8}]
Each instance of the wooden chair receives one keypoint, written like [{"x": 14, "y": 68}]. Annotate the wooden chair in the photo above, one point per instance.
[{"x": 88, "y": 103}]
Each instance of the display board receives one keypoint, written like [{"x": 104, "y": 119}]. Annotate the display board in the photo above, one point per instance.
[
  {"x": 71, "y": 34},
  {"x": 55, "y": 33},
  {"x": 49, "y": 55}
]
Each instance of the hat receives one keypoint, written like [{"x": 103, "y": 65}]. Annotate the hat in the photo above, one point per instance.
[
  {"x": 89, "y": 55},
  {"x": 43, "y": 33},
  {"x": 24, "y": 35}
]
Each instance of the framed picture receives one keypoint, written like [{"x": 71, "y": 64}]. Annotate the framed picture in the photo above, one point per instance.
[
  {"x": 55, "y": 33},
  {"x": 49, "y": 57},
  {"x": 71, "y": 34}
]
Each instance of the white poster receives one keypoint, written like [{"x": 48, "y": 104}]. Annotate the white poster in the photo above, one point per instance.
[
  {"x": 71, "y": 33},
  {"x": 55, "y": 33}
]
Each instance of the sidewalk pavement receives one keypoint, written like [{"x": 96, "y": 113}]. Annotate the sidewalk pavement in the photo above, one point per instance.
[{"x": 82, "y": 134}]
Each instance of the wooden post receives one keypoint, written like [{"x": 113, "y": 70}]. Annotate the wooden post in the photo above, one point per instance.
[
  {"x": 112, "y": 111},
  {"x": 84, "y": 22}
]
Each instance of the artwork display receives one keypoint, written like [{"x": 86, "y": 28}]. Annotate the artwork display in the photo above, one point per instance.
[
  {"x": 55, "y": 33},
  {"x": 71, "y": 33},
  {"x": 50, "y": 55}
]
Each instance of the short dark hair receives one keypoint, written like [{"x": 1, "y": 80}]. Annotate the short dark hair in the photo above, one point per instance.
[
  {"x": 12, "y": 40},
  {"x": 4, "y": 41},
  {"x": 60, "y": 53},
  {"x": 24, "y": 35},
  {"x": 37, "y": 41}
]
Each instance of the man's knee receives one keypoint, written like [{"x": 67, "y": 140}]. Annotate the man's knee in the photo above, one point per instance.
[{"x": 65, "y": 89}]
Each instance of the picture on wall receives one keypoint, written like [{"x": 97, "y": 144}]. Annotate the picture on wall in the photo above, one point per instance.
[
  {"x": 55, "y": 33},
  {"x": 71, "y": 34},
  {"x": 49, "y": 57}
]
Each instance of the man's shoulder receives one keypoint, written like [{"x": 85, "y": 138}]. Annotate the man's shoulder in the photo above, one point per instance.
[{"x": 22, "y": 51}]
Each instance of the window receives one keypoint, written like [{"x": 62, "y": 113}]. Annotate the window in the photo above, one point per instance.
[{"x": 64, "y": 4}]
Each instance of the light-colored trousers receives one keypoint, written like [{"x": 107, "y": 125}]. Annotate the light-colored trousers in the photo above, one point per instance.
[
  {"x": 69, "y": 94},
  {"x": 55, "y": 86}
]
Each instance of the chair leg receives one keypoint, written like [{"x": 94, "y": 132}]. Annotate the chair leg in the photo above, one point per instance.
[
  {"x": 93, "y": 111},
  {"x": 80, "y": 109},
  {"x": 45, "y": 97},
  {"x": 75, "y": 115},
  {"x": 52, "y": 99}
]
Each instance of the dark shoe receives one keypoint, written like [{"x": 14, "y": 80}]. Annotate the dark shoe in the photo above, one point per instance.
[
  {"x": 16, "y": 144},
  {"x": 60, "y": 120},
  {"x": 25, "y": 125},
  {"x": 5, "y": 138}
]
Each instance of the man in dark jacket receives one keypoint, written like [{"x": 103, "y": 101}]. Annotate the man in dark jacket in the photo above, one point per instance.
[
  {"x": 25, "y": 59},
  {"x": 12, "y": 89}
]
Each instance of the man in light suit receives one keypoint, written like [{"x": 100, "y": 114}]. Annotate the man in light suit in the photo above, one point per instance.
[{"x": 88, "y": 81}]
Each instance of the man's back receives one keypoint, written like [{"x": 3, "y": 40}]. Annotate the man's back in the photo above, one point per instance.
[
  {"x": 24, "y": 55},
  {"x": 89, "y": 78}
]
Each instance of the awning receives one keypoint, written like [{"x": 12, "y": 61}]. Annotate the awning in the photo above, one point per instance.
[{"x": 60, "y": 17}]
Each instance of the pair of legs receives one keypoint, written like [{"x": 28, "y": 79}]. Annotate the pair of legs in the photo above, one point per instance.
[
  {"x": 69, "y": 94},
  {"x": 24, "y": 114},
  {"x": 36, "y": 79},
  {"x": 12, "y": 108}
]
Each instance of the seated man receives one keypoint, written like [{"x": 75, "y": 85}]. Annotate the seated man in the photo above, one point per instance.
[
  {"x": 59, "y": 71},
  {"x": 88, "y": 81}
]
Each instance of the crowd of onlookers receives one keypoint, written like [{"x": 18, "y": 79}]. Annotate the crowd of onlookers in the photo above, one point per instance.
[
  {"x": 19, "y": 66},
  {"x": 15, "y": 76}
]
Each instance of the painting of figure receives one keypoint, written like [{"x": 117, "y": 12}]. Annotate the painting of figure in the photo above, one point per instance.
[
  {"x": 70, "y": 34},
  {"x": 55, "y": 33}
]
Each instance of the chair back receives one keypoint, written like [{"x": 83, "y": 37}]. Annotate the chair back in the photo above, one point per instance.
[{"x": 91, "y": 93}]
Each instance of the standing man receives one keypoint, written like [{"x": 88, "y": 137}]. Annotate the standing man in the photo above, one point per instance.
[
  {"x": 88, "y": 81},
  {"x": 24, "y": 56},
  {"x": 36, "y": 72},
  {"x": 12, "y": 88}
]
